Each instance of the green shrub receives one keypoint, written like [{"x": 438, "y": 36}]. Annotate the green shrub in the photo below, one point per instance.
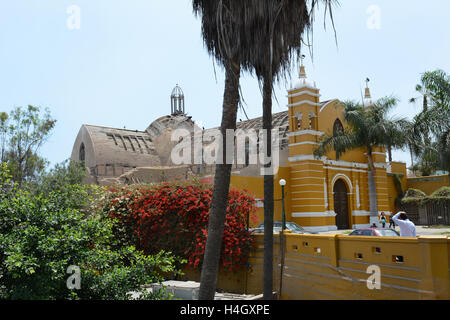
[{"x": 41, "y": 236}]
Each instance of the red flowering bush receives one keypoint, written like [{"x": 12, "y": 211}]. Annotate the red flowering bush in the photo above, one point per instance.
[{"x": 175, "y": 218}]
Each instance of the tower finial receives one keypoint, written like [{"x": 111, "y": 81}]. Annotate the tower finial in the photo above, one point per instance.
[
  {"x": 302, "y": 74},
  {"x": 367, "y": 93},
  {"x": 367, "y": 96},
  {"x": 303, "y": 80}
]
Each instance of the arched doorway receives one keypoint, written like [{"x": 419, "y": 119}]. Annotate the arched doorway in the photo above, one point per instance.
[{"x": 340, "y": 192}]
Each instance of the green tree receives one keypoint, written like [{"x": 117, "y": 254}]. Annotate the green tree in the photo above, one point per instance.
[
  {"x": 62, "y": 176},
  {"x": 368, "y": 128},
  {"x": 223, "y": 38},
  {"x": 232, "y": 34},
  {"x": 23, "y": 133},
  {"x": 3, "y": 131},
  {"x": 430, "y": 129},
  {"x": 277, "y": 29},
  {"x": 41, "y": 236}
]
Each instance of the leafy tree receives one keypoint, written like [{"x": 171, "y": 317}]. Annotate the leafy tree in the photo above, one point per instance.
[
  {"x": 3, "y": 131},
  {"x": 430, "y": 129},
  {"x": 223, "y": 38},
  {"x": 368, "y": 128},
  {"x": 276, "y": 29},
  {"x": 22, "y": 134},
  {"x": 41, "y": 236},
  {"x": 62, "y": 176},
  {"x": 232, "y": 32}
]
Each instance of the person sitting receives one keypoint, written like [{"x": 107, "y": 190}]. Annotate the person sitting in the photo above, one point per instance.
[{"x": 407, "y": 227}]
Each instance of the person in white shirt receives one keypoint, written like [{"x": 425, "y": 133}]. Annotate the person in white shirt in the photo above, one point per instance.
[{"x": 407, "y": 227}]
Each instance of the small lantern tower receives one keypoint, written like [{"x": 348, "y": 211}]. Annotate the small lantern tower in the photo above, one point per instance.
[{"x": 177, "y": 101}]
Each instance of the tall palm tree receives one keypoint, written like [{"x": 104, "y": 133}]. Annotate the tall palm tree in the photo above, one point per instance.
[
  {"x": 368, "y": 128},
  {"x": 222, "y": 34},
  {"x": 431, "y": 127},
  {"x": 276, "y": 31},
  {"x": 236, "y": 34}
]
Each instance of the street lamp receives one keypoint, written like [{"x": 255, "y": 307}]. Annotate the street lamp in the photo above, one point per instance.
[{"x": 282, "y": 183}]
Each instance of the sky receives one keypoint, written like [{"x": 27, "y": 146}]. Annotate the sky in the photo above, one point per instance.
[{"x": 115, "y": 62}]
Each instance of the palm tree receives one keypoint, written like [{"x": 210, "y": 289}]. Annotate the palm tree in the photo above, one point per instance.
[
  {"x": 368, "y": 128},
  {"x": 243, "y": 35},
  {"x": 221, "y": 30},
  {"x": 431, "y": 127},
  {"x": 275, "y": 29}
]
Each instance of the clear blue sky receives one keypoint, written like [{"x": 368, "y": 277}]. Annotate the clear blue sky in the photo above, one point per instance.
[{"x": 119, "y": 68}]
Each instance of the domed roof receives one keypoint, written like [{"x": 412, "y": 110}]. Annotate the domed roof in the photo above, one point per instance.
[
  {"x": 177, "y": 92},
  {"x": 170, "y": 122}
]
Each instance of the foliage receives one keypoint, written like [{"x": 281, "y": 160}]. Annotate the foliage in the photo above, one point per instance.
[
  {"x": 418, "y": 197},
  {"x": 413, "y": 196},
  {"x": 41, "y": 236},
  {"x": 22, "y": 133},
  {"x": 238, "y": 31},
  {"x": 442, "y": 195},
  {"x": 430, "y": 130},
  {"x": 64, "y": 175},
  {"x": 175, "y": 218},
  {"x": 367, "y": 128},
  {"x": 399, "y": 188}
]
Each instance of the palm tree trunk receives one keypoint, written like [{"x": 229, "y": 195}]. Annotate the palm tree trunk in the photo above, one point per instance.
[
  {"x": 268, "y": 194},
  {"x": 372, "y": 191},
  {"x": 210, "y": 267},
  {"x": 390, "y": 153}
]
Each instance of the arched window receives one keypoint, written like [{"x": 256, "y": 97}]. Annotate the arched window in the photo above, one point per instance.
[
  {"x": 338, "y": 129},
  {"x": 298, "y": 120},
  {"x": 247, "y": 152},
  {"x": 312, "y": 121},
  {"x": 82, "y": 155}
]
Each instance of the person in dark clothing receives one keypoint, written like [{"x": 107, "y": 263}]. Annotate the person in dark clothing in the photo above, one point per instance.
[
  {"x": 391, "y": 223},
  {"x": 383, "y": 220}
]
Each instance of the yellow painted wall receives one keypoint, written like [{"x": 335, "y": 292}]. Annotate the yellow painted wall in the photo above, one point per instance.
[
  {"x": 335, "y": 267},
  {"x": 255, "y": 187},
  {"x": 428, "y": 184}
]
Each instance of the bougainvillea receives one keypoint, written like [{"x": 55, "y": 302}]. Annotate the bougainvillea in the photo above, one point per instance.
[{"x": 175, "y": 218}]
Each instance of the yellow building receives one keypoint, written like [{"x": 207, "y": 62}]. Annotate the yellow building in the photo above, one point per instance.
[
  {"x": 321, "y": 194},
  {"x": 325, "y": 194}
]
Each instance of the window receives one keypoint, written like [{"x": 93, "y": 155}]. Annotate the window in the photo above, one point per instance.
[
  {"x": 312, "y": 121},
  {"x": 247, "y": 152},
  {"x": 367, "y": 233},
  {"x": 82, "y": 155},
  {"x": 338, "y": 128},
  {"x": 294, "y": 227},
  {"x": 388, "y": 233},
  {"x": 298, "y": 120}
]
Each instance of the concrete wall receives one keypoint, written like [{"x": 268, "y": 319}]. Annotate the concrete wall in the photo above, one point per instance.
[
  {"x": 428, "y": 184},
  {"x": 335, "y": 267}
]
